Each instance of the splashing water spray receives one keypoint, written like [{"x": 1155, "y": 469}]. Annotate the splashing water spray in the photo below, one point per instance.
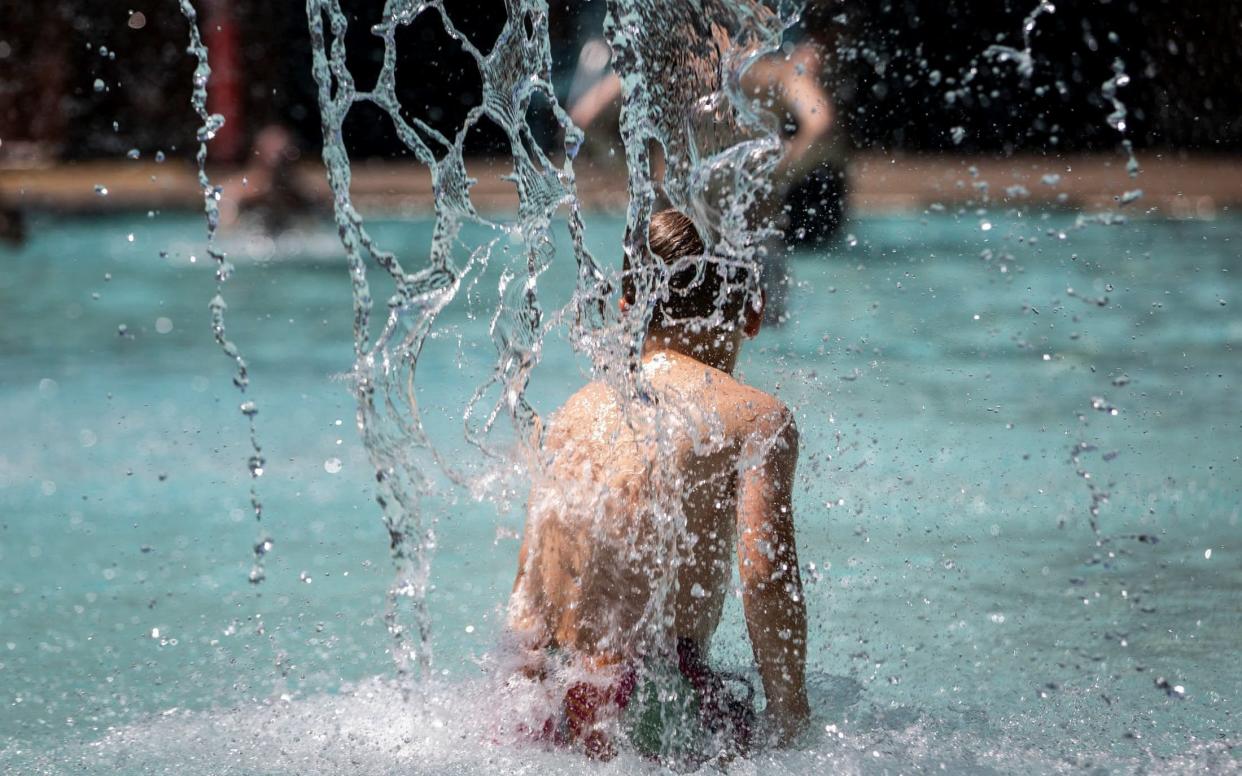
[
  {"x": 1025, "y": 61},
  {"x": 212, "y": 122},
  {"x": 680, "y": 65},
  {"x": 1116, "y": 119},
  {"x": 385, "y": 367}
]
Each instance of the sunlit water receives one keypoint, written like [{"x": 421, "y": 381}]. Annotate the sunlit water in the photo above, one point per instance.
[{"x": 962, "y": 613}]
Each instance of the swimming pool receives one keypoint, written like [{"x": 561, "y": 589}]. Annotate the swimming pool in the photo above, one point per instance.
[{"x": 963, "y": 613}]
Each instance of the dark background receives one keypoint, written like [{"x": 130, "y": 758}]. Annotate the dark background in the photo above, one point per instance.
[{"x": 1183, "y": 58}]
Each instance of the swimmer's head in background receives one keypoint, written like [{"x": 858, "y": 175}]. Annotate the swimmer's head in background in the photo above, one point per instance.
[{"x": 695, "y": 279}]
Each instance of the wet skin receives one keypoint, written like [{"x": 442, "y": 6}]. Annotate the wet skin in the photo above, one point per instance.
[{"x": 632, "y": 501}]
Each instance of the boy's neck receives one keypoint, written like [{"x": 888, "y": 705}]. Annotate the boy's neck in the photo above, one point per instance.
[{"x": 714, "y": 349}]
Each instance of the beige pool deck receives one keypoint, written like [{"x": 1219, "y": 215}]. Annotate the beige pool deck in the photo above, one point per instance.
[{"x": 1173, "y": 184}]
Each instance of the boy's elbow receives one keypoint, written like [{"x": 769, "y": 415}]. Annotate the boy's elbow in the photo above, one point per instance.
[{"x": 789, "y": 430}]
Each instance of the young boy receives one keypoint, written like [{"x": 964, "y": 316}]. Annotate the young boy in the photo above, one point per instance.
[{"x": 634, "y": 513}]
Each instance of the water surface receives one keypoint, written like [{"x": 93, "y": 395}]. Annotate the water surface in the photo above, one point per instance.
[{"x": 963, "y": 612}]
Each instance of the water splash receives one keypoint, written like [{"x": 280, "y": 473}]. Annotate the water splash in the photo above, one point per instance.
[
  {"x": 1025, "y": 64},
  {"x": 1024, "y": 59},
  {"x": 514, "y": 74},
  {"x": 718, "y": 156},
  {"x": 681, "y": 68},
  {"x": 1117, "y": 118},
  {"x": 212, "y": 122}
]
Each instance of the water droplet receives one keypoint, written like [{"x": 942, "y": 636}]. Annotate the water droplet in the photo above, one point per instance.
[
  {"x": 1207, "y": 554},
  {"x": 133, "y": 153},
  {"x": 99, "y": 85},
  {"x": 1100, "y": 404},
  {"x": 163, "y": 325},
  {"x": 159, "y": 157},
  {"x": 1170, "y": 689},
  {"x": 101, "y": 189},
  {"x": 332, "y": 465}
]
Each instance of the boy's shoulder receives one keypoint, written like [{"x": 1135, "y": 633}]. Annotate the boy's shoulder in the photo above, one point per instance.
[
  {"x": 747, "y": 406},
  {"x": 760, "y": 410},
  {"x": 743, "y": 407}
]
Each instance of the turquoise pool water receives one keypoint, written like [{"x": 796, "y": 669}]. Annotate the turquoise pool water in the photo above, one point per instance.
[{"x": 964, "y": 615}]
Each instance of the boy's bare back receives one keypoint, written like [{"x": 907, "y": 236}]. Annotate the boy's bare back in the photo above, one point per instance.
[{"x": 623, "y": 493}]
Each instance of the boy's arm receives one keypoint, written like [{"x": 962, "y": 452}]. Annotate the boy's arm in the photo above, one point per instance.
[
  {"x": 768, "y": 565},
  {"x": 522, "y": 554},
  {"x": 811, "y": 106}
]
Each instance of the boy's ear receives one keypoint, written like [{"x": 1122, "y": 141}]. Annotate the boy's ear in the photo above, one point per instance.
[{"x": 754, "y": 316}]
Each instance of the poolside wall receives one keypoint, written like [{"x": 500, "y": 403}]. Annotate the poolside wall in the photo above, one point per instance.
[{"x": 1174, "y": 184}]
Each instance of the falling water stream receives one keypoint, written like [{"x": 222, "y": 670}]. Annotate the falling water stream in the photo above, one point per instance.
[
  {"x": 681, "y": 66},
  {"x": 212, "y": 122}
]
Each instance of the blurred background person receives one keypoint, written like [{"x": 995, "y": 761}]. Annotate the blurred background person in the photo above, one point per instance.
[
  {"x": 809, "y": 196},
  {"x": 807, "y": 203},
  {"x": 12, "y": 224},
  {"x": 271, "y": 193}
]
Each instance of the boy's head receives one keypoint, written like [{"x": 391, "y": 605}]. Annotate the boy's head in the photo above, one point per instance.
[{"x": 695, "y": 280}]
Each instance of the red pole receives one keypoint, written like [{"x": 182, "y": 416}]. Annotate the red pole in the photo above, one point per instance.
[{"x": 222, "y": 36}]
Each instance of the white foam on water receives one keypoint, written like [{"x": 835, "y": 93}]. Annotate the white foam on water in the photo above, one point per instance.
[{"x": 460, "y": 728}]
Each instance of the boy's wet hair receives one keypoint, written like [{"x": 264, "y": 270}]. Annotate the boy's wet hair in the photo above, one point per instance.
[{"x": 695, "y": 279}]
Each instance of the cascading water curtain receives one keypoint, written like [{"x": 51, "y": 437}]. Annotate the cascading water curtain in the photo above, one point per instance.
[
  {"x": 681, "y": 65},
  {"x": 513, "y": 73}
]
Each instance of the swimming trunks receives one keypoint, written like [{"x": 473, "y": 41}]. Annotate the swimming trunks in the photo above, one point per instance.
[{"x": 677, "y": 710}]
